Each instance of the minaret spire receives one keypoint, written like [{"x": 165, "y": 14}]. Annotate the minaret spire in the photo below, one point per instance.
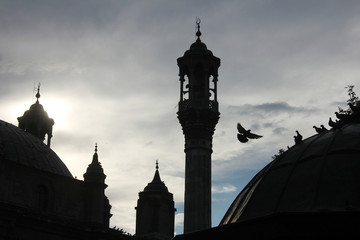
[
  {"x": 38, "y": 94},
  {"x": 95, "y": 156},
  {"x": 198, "y": 33}
]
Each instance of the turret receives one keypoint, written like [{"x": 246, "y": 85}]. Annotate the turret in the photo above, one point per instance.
[
  {"x": 95, "y": 172},
  {"x": 97, "y": 207},
  {"x": 36, "y": 121},
  {"x": 155, "y": 210}
]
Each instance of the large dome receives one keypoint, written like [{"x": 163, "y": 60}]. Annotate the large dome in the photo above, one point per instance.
[
  {"x": 320, "y": 174},
  {"x": 21, "y": 147}
]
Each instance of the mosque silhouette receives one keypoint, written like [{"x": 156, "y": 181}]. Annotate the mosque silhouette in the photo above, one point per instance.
[{"x": 309, "y": 191}]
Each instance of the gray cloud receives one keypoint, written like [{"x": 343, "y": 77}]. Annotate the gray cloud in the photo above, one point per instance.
[
  {"x": 279, "y": 130},
  {"x": 269, "y": 109},
  {"x": 113, "y": 64}
]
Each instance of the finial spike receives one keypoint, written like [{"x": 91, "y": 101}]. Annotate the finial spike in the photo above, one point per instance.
[
  {"x": 38, "y": 93},
  {"x": 96, "y": 147},
  {"x": 198, "y": 33},
  {"x": 157, "y": 165}
]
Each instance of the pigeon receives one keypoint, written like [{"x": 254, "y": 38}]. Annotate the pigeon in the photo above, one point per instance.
[
  {"x": 340, "y": 116},
  {"x": 320, "y": 129},
  {"x": 332, "y": 123},
  {"x": 244, "y": 135},
  {"x": 354, "y": 109},
  {"x": 298, "y": 137}
]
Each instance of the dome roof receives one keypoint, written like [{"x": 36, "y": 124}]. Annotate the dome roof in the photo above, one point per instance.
[
  {"x": 198, "y": 47},
  {"x": 37, "y": 108},
  {"x": 21, "y": 147},
  {"x": 322, "y": 173}
]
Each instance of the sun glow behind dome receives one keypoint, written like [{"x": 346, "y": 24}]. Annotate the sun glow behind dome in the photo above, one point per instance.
[{"x": 57, "y": 109}]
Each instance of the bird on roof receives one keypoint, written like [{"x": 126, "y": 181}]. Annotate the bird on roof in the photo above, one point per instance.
[
  {"x": 244, "y": 135},
  {"x": 340, "y": 116},
  {"x": 320, "y": 129},
  {"x": 298, "y": 137},
  {"x": 332, "y": 123},
  {"x": 354, "y": 109}
]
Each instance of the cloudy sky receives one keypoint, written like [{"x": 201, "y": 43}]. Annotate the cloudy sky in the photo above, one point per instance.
[{"x": 108, "y": 74}]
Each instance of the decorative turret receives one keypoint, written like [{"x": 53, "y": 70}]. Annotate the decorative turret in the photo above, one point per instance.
[
  {"x": 97, "y": 206},
  {"x": 156, "y": 185},
  {"x": 36, "y": 121},
  {"x": 155, "y": 210},
  {"x": 198, "y": 115},
  {"x": 95, "y": 172}
]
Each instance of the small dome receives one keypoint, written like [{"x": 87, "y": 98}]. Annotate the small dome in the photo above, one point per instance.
[
  {"x": 198, "y": 47},
  {"x": 22, "y": 147},
  {"x": 37, "y": 107},
  {"x": 36, "y": 121},
  {"x": 322, "y": 173},
  {"x": 36, "y": 111}
]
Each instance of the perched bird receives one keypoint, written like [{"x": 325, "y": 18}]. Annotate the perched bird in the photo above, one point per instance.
[
  {"x": 354, "y": 109},
  {"x": 323, "y": 128},
  {"x": 340, "y": 116},
  {"x": 332, "y": 123},
  {"x": 298, "y": 137},
  {"x": 320, "y": 129},
  {"x": 244, "y": 134}
]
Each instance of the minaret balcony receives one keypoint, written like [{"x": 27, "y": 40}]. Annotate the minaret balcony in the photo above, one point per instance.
[{"x": 198, "y": 104}]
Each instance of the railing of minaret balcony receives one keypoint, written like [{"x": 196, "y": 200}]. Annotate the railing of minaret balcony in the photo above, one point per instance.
[{"x": 187, "y": 104}]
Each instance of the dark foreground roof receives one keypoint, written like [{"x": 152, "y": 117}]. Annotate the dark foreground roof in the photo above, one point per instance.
[
  {"x": 322, "y": 173},
  {"x": 319, "y": 225}
]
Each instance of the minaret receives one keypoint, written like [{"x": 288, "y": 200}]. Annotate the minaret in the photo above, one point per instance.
[
  {"x": 198, "y": 115},
  {"x": 97, "y": 207},
  {"x": 155, "y": 210},
  {"x": 36, "y": 121}
]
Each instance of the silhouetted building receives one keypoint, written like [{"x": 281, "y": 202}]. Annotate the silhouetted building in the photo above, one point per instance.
[
  {"x": 39, "y": 198},
  {"x": 310, "y": 191},
  {"x": 198, "y": 114},
  {"x": 155, "y": 210}
]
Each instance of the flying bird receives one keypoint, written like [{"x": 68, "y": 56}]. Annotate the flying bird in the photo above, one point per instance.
[{"x": 244, "y": 135}]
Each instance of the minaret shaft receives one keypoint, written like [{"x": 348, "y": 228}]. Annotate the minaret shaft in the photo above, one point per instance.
[
  {"x": 198, "y": 127},
  {"x": 197, "y": 185}
]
